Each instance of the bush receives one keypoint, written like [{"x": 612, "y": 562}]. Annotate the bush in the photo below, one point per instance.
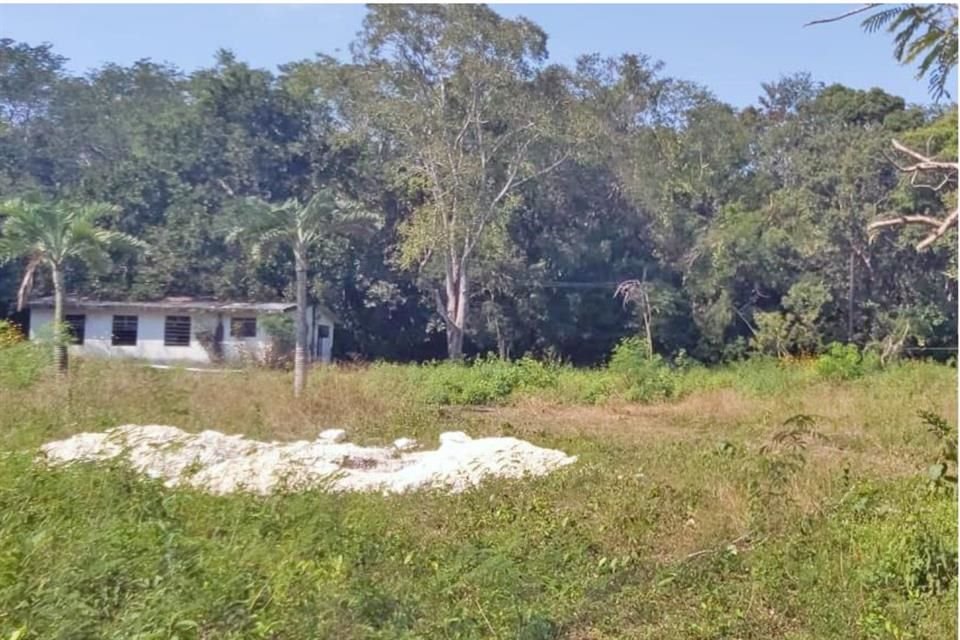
[
  {"x": 21, "y": 361},
  {"x": 283, "y": 334},
  {"x": 486, "y": 380},
  {"x": 646, "y": 376},
  {"x": 586, "y": 386},
  {"x": 913, "y": 558},
  {"x": 841, "y": 362}
]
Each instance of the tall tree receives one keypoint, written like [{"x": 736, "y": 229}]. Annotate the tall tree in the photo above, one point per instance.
[
  {"x": 460, "y": 95},
  {"x": 51, "y": 234}
]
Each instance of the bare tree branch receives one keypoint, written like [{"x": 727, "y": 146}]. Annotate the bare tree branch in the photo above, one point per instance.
[
  {"x": 948, "y": 222},
  {"x": 940, "y": 227},
  {"x": 903, "y": 220},
  {"x": 923, "y": 165},
  {"x": 845, "y": 15}
]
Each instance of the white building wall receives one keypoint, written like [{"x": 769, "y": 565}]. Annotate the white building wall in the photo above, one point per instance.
[
  {"x": 150, "y": 329},
  {"x": 98, "y": 334},
  {"x": 237, "y": 348}
]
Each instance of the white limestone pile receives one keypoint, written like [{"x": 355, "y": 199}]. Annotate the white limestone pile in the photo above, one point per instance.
[{"x": 220, "y": 464}]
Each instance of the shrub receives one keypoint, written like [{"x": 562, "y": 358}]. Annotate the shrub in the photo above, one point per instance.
[
  {"x": 486, "y": 380},
  {"x": 586, "y": 386},
  {"x": 10, "y": 334},
  {"x": 646, "y": 376},
  {"x": 840, "y": 362},
  {"x": 283, "y": 333},
  {"x": 913, "y": 557},
  {"x": 21, "y": 361}
]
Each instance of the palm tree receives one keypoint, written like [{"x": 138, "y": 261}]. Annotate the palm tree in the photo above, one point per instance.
[
  {"x": 51, "y": 234},
  {"x": 301, "y": 227},
  {"x": 922, "y": 33}
]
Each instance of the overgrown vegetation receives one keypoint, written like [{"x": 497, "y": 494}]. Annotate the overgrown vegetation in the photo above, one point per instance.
[
  {"x": 632, "y": 374},
  {"x": 741, "y": 226},
  {"x": 762, "y": 463},
  {"x": 22, "y": 362},
  {"x": 756, "y": 500}
]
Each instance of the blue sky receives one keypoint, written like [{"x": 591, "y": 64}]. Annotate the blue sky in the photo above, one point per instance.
[{"x": 730, "y": 49}]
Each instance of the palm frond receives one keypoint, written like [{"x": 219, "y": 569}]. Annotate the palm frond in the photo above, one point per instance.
[
  {"x": 878, "y": 20},
  {"x": 253, "y": 217},
  {"x": 119, "y": 241},
  {"x": 267, "y": 241},
  {"x": 94, "y": 211}
]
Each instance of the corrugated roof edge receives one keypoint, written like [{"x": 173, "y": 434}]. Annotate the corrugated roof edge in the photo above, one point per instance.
[{"x": 183, "y": 304}]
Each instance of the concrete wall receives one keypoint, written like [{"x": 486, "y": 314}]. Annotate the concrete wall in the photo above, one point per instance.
[{"x": 150, "y": 329}]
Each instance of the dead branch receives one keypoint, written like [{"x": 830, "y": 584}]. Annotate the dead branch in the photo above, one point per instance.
[
  {"x": 923, "y": 162},
  {"x": 949, "y": 221},
  {"x": 902, "y": 220},
  {"x": 940, "y": 227},
  {"x": 922, "y": 165},
  {"x": 844, "y": 16}
]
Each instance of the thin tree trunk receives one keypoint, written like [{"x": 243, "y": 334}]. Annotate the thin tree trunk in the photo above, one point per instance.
[
  {"x": 646, "y": 312},
  {"x": 60, "y": 336},
  {"x": 457, "y": 296},
  {"x": 299, "y": 354},
  {"x": 503, "y": 345},
  {"x": 647, "y": 328},
  {"x": 850, "y": 294}
]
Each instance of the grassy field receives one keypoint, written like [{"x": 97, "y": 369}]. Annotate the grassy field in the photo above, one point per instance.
[{"x": 694, "y": 511}]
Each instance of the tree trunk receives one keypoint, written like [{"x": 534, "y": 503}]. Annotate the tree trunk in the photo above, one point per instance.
[
  {"x": 60, "y": 335},
  {"x": 503, "y": 344},
  {"x": 456, "y": 312},
  {"x": 300, "y": 354},
  {"x": 850, "y": 296}
]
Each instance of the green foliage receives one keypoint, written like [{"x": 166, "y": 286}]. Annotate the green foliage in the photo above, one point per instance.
[
  {"x": 485, "y": 380},
  {"x": 588, "y": 386},
  {"x": 21, "y": 361},
  {"x": 282, "y": 329},
  {"x": 794, "y": 331},
  {"x": 841, "y": 362},
  {"x": 743, "y": 220},
  {"x": 939, "y": 472},
  {"x": 654, "y": 512},
  {"x": 914, "y": 559},
  {"x": 645, "y": 375},
  {"x": 926, "y": 34}
]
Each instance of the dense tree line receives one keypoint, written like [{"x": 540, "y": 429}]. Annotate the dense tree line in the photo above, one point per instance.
[{"x": 512, "y": 195}]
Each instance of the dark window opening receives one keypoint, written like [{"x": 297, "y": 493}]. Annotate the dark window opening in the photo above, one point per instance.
[
  {"x": 124, "y": 331},
  {"x": 77, "y": 327},
  {"x": 176, "y": 331},
  {"x": 323, "y": 331},
  {"x": 243, "y": 327}
]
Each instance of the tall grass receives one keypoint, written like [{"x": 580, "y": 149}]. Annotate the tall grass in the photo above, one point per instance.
[{"x": 684, "y": 517}]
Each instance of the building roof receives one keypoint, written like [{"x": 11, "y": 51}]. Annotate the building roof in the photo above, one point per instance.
[{"x": 175, "y": 304}]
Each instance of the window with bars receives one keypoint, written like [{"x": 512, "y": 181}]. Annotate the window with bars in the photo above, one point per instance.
[
  {"x": 124, "y": 331},
  {"x": 176, "y": 331},
  {"x": 77, "y": 326},
  {"x": 243, "y": 327}
]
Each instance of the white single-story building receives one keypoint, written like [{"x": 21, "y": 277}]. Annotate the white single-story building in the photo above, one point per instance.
[{"x": 175, "y": 330}]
